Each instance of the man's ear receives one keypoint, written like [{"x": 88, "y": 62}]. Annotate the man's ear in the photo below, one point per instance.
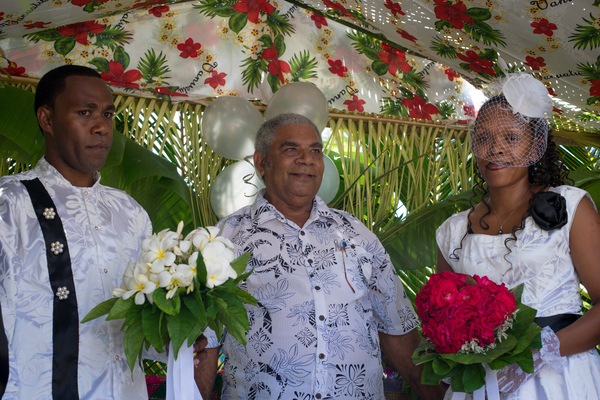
[
  {"x": 259, "y": 163},
  {"x": 44, "y": 116}
]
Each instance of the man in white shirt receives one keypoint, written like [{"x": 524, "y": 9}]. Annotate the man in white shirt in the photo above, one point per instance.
[
  {"x": 65, "y": 241},
  {"x": 328, "y": 295}
]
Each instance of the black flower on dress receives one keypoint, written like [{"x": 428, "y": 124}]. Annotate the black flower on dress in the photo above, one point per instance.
[{"x": 549, "y": 210}]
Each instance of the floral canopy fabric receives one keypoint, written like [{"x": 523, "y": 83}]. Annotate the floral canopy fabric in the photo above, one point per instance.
[{"x": 418, "y": 58}]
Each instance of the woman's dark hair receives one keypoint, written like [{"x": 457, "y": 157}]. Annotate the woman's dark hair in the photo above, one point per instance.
[{"x": 549, "y": 171}]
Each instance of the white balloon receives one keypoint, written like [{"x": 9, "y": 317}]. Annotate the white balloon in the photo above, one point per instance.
[
  {"x": 301, "y": 98},
  {"x": 229, "y": 126},
  {"x": 331, "y": 180},
  {"x": 229, "y": 192}
]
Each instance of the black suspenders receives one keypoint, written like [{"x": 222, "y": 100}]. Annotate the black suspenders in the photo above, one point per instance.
[{"x": 65, "y": 319}]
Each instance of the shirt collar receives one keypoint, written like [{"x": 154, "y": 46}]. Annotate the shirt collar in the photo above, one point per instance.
[
  {"x": 50, "y": 174},
  {"x": 262, "y": 211}
]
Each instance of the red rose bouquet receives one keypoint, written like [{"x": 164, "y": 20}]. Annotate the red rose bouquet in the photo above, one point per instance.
[{"x": 468, "y": 322}]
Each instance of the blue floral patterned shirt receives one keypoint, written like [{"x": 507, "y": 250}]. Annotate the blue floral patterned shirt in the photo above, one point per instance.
[{"x": 324, "y": 291}]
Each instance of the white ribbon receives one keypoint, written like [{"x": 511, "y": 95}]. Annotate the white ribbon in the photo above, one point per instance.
[
  {"x": 491, "y": 386},
  {"x": 180, "y": 375}
]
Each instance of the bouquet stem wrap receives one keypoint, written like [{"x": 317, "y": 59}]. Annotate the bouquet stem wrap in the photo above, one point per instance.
[{"x": 180, "y": 375}]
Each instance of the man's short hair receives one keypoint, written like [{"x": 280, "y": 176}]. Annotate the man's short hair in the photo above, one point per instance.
[
  {"x": 266, "y": 133},
  {"x": 53, "y": 83}
]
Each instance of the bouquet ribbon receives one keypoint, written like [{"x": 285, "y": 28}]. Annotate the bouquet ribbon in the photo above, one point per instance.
[
  {"x": 180, "y": 375},
  {"x": 491, "y": 385}
]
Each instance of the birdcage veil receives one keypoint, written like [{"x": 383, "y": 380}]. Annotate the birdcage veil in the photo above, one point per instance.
[{"x": 511, "y": 128}]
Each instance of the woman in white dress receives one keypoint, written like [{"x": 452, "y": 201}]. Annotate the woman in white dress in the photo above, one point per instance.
[{"x": 531, "y": 228}]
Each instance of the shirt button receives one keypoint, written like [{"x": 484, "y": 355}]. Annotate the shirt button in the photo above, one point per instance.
[
  {"x": 117, "y": 357},
  {"x": 321, "y": 317},
  {"x": 302, "y": 233},
  {"x": 317, "y": 287},
  {"x": 321, "y": 356},
  {"x": 310, "y": 260},
  {"x": 96, "y": 228},
  {"x": 318, "y": 395},
  {"x": 105, "y": 271},
  {"x": 86, "y": 192}
]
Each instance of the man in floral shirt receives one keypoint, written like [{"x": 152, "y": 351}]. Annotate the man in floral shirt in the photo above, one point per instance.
[{"x": 328, "y": 295}]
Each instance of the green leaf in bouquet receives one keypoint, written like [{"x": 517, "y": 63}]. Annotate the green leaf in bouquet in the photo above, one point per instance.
[
  {"x": 442, "y": 366},
  {"x": 211, "y": 307},
  {"x": 100, "y": 310},
  {"x": 429, "y": 377},
  {"x": 518, "y": 292},
  {"x": 242, "y": 277},
  {"x": 525, "y": 338},
  {"x": 468, "y": 359},
  {"x": 239, "y": 264},
  {"x": 151, "y": 326},
  {"x": 425, "y": 352},
  {"x": 507, "y": 359},
  {"x": 526, "y": 361},
  {"x": 120, "y": 309},
  {"x": 473, "y": 377},
  {"x": 133, "y": 342},
  {"x": 456, "y": 381},
  {"x": 523, "y": 320},
  {"x": 238, "y": 293},
  {"x": 169, "y": 306},
  {"x": 134, "y": 314},
  {"x": 195, "y": 333},
  {"x": 201, "y": 272},
  {"x": 180, "y": 326},
  {"x": 195, "y": 304}
]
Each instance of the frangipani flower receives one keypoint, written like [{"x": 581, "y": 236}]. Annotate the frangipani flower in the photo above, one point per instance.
[
  {"x": 156, "y": 251},
  {"x": 201, "y": 236},
  {"x": 217, "y": 258},
  {"x": 140, "y": 286}
]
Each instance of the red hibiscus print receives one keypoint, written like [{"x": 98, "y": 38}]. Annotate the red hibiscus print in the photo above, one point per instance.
[
  {"x": 336, "y": 6},
  {"x": 216, "y": 79},
  {"x": 394, "y": 7},
  {"x": 81, "y": 30},
  {"x": 470, "y": 111},
  {"x": 253, "y": 7},
  {"x": 117, "y": 76},
  {"x": 147, "y": 3},
  {"x": 455, "y": 13},
  {"x": 355, "y": 104},
  {"x": 543, "y": 26},
  {"x": 336, "y": 67},
  {"x": 189, "y": 48},
  {"x": 595, "y": 89},
  {"x": 276, "y": 66},
  {"x": 535, "y": 63},
  {"x": 1, "y": 16},
  {"x": 158, "y": 11},
  {"x": 36, "y": 25},
  {"x": 82, "y": 3},
  {"x": 477, "y": 64},
  {"x": 163, "y": 90},
  {"x": 451, "y": 74},
  {"x": 13, "y": 70},
  {"x": 419, "y": 108},
  {"x": 406, "y": 35},
  {"x": 319, "y": 20},
  {"x": 395, "y": 58}
]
